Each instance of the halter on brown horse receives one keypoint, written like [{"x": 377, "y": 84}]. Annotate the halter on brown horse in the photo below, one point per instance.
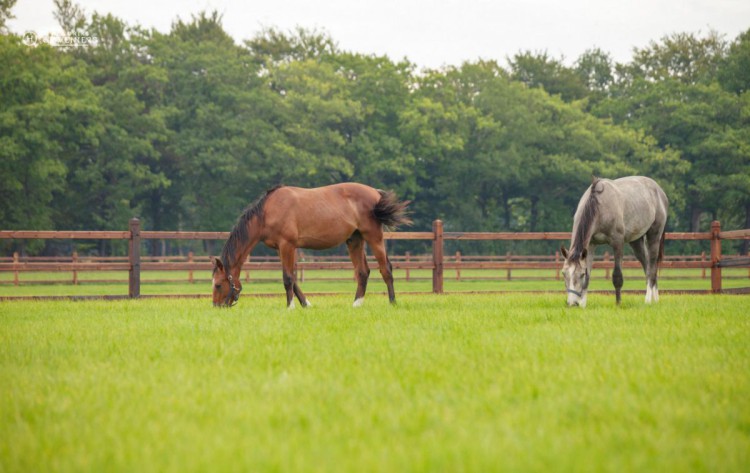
[{"x": 287, "y": 218}]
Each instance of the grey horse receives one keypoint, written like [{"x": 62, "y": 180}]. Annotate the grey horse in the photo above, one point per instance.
[{"x": 631, "y": 210}]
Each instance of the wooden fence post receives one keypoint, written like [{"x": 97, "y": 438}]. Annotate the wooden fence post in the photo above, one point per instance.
[
  {"x": 437, "y": 256},
  {"x": 190, "y": 271},
  {"x": 508, "y": 259},
  {"x": 458, "y": 265},
  {"x": 408, "y": 258},
  {"x": 606, "y": 264},
  {"x": 134, "y": 256},
  {"x": 557, "y": 265},
  {"x": 715, "y": 257},
  {"x": 75, "y": 272},
  {"x": 703, "y": 259},
  {"x": 16, "y": 260}
]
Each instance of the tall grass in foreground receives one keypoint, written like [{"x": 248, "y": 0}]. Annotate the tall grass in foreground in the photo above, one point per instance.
[{"x": 436, "y": 383}]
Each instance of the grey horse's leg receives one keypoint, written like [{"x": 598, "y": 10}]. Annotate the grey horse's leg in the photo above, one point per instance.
[
  {"x": 589, "y": 268},
  {"x": 641, "y": 253},
  {"x": 653, "y": 246},
  {"x": 639, "y": 249},
  {"x": 617, "y": 279}
]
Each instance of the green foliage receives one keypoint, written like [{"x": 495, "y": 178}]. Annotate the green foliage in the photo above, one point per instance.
[
  {"x": 5, "y": 7},
  {"x": 733, "y": 74},
  {"x": 670, "y": 92},
  {"x": 42, "y": 94},
  {"x": 686, "y": 57},
  {"x": 540, "y": 70},
  {"x": 184, "y": 128}
]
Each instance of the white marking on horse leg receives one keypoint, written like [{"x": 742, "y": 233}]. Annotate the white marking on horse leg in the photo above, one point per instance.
[
  {"x": 308, "y": 303},
  {"x": 359, "y": 302},
  {"x": 655, "y": 293},
  {"x": 649, "y": 292},
  {"x": 291, "y": 305}
]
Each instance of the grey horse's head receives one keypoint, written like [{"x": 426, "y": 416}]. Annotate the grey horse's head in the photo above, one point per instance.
[{"x": 576, "y": 275}]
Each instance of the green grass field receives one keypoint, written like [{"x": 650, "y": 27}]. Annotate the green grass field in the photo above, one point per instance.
[{"x": 437, "y": 383}]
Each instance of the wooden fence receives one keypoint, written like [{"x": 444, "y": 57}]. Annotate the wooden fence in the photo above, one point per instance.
[
  {"x": 437, "y": 262},
  {"x": 312, "y": 266}
]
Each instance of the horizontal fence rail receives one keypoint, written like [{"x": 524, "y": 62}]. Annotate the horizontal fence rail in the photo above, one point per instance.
[
  {"x": 437, "y": 262},
  {"x": 456, "y": 262}
]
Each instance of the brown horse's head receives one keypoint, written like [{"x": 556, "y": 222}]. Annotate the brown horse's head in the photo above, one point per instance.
[{"x": 226, "y": 287}]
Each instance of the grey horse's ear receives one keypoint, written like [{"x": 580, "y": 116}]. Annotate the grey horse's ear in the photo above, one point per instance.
[{"x": 564, "y": 252}]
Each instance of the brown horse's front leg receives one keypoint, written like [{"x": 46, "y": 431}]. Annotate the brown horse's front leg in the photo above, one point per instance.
[
  {"x": 289, "y": 287},
  {"x": 300, "y": 295},
  {"x": 288, "y": 256}
]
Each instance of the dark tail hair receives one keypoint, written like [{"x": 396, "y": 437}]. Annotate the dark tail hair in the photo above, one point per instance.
[
  {"x": 390, "y": 212},
  {"x": 661, "y": 245}
]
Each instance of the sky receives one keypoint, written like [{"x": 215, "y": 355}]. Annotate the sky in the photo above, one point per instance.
[{"x": 433, "y": 34}]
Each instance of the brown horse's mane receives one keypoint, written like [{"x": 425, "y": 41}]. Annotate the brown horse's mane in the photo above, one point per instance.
[
  {"x": 239, "y": 236},
  {"x": 588, "y": 215}
]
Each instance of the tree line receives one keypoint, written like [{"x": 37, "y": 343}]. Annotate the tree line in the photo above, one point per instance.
[{"x": 185, "y": 128}]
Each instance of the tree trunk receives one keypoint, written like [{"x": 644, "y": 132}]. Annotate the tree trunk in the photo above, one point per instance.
[
  {"x": 695, "y": 219},
  {"x": 534, "y": 214},
  {"x": 506, "y": 213}
]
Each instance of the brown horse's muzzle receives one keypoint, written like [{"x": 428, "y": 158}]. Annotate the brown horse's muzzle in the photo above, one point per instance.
[{"x": 233, "y": 297}]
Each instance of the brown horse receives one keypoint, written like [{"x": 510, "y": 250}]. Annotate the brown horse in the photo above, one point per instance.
[{"x": 287, "y": 218}]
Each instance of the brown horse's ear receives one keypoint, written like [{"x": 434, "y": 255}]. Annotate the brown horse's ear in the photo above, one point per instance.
[
  {"x": 217, "y": 263},
  {"x": 584, "y": 253},
  {"x": 564, "y": 252}
]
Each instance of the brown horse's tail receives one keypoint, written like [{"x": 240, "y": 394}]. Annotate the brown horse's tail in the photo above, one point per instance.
[{"x": 390, "y": 212}]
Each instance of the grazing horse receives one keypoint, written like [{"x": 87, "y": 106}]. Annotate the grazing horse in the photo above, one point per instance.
[
  {"x": 287, "y": 218},
  {"x": 614, "y": 212}
]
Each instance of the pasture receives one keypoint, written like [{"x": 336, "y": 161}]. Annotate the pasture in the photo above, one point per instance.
[{"x": 437, "y": 383}]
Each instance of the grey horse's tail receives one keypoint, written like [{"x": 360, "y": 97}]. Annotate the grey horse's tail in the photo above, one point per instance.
[
  {"x": 661, "y": 245},
  {"x": 389, "y": 211}
]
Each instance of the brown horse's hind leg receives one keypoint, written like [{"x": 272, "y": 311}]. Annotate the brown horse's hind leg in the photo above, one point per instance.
[
  {"x": 386, "y": 270},
  {"x": 356, "y": 246},
  {"x": 288, "y": 256}
]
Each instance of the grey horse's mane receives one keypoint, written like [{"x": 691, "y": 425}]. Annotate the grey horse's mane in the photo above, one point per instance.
[{"x": 586, "y": 220}]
